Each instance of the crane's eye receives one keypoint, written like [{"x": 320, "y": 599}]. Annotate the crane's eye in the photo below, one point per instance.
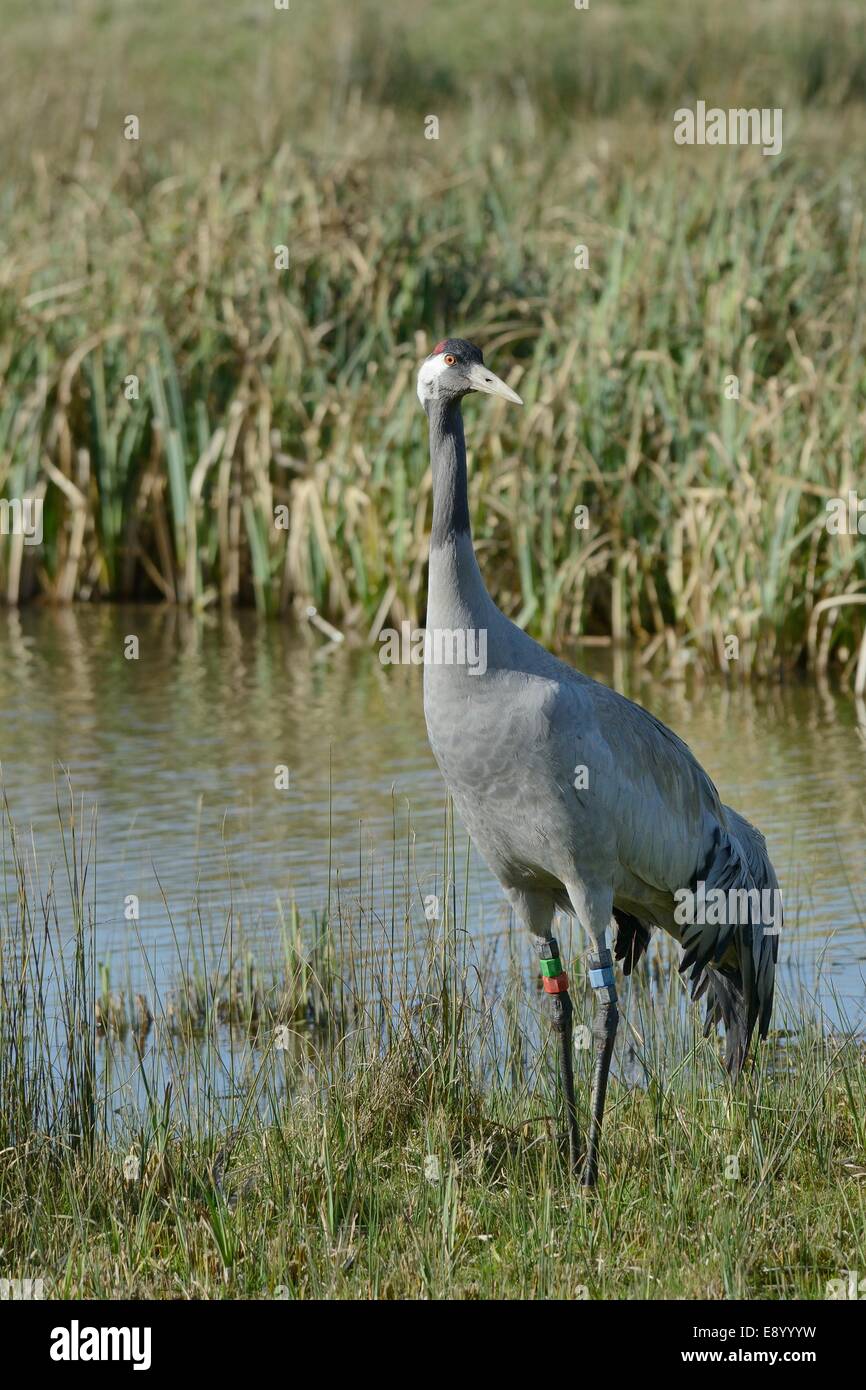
[{"x": 449, "y": 359}]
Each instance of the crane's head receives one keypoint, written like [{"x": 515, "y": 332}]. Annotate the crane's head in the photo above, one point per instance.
[{"x": 453, "y": 369}]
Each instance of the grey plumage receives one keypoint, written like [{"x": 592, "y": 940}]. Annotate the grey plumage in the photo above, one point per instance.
[{"x": 618, "y": 840}]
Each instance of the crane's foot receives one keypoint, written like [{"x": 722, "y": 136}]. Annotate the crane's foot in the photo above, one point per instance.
[
  {"x": 589, "y": 1174},
  {"x": 562, "y": 1011},
  {"x": 573, "y": 1155}
]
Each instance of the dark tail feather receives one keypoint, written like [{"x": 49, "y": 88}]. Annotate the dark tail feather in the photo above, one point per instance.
[
  {"x": 632, "y": 939},
  {"x": 735, "y": 960},
  {"x": 726, "y": 1005}
]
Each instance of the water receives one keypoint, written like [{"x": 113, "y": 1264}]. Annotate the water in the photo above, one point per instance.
[{"x": 178, "y": 750}]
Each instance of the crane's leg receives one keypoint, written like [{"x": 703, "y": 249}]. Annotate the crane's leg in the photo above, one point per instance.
[
  {"x": 536, "y": 909},
  {"x": 604, "y": 1025},
  {"x": 555, "y": 983},
  {"x": 593, "y": 904}
]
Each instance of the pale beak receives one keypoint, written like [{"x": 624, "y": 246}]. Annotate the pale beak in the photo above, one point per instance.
[{"x": 481, "y": 378}]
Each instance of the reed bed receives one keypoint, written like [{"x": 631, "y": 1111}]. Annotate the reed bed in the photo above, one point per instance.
[
  {"x": 205, "y": 427},
  {"x": 375, "y": 1117}
]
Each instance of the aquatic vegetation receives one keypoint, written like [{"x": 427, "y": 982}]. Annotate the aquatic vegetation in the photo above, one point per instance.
[
  {"x": 404, "y": 1142},
  {"x": 205, "y": 426}
]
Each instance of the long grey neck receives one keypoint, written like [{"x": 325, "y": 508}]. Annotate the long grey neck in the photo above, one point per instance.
[
  {"x": 457, "y": 595},
  {"x": 448, "y": 458}
]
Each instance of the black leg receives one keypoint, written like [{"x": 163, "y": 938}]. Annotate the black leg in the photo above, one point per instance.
[
  {"x": 603, "y": 1034},
  {"x": 562, "y": 1010}
]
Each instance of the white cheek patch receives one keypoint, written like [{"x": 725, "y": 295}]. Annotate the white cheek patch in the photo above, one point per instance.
[{"x": 428, "y": 377}]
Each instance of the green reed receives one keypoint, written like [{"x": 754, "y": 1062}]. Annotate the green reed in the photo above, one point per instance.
[{"x": 203, "y": 427}]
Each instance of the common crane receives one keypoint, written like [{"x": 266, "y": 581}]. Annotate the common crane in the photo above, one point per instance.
[{"x": 641, "y": 823}]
